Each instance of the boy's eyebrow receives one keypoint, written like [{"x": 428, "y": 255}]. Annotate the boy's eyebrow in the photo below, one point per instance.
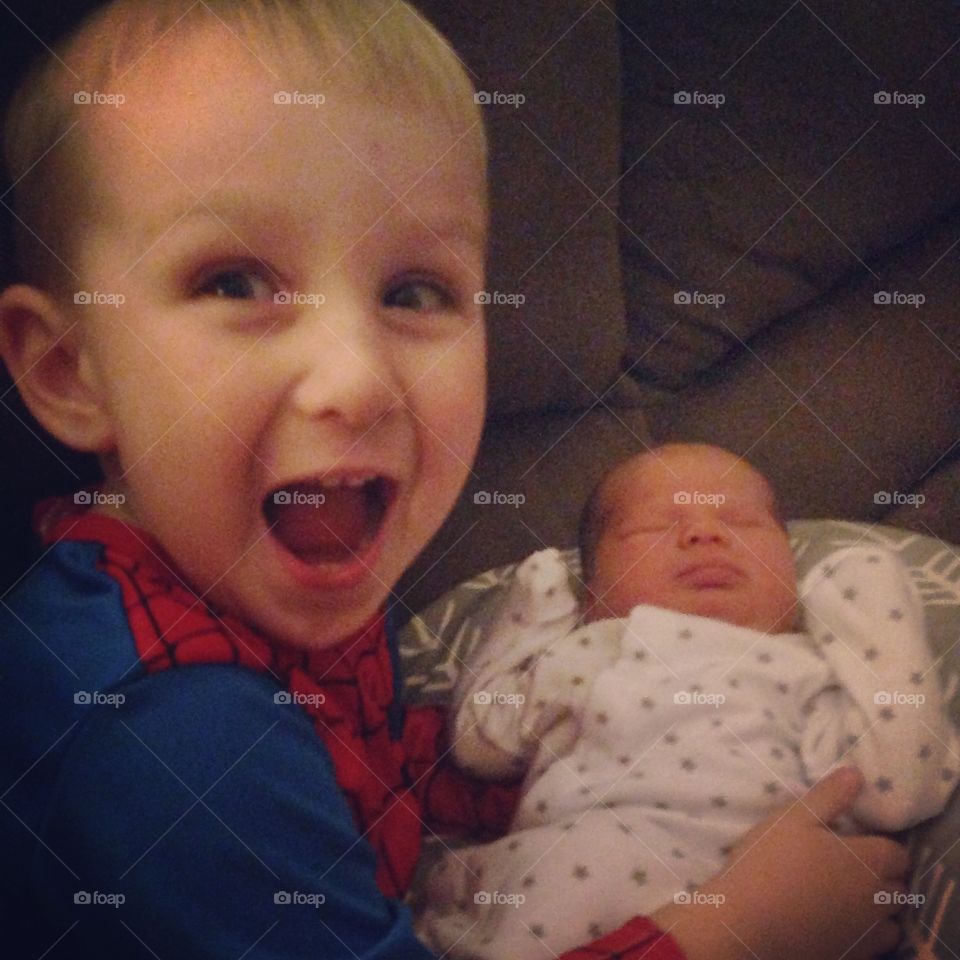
[{"x": 225, "y": 207}]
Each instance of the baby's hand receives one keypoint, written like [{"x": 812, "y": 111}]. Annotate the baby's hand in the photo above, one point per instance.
[
  {"x": 541, "y": 592},
  {"x": 794, "y": 889}
]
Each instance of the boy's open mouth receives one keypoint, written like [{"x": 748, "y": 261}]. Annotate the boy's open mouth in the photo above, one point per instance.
[{"x": 330, "y": 520}]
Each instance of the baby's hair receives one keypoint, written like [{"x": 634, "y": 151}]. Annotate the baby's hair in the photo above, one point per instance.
[
  {"x": 594, "y": 516},
  {"x": 384, "y": 48}
]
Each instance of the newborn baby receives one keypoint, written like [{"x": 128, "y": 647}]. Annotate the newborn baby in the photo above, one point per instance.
[{"x": 658, "y": 721}]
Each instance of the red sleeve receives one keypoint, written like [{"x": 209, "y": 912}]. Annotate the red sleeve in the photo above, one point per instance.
[
  {"x": 452, "y": 802},
  {"x": 637, "y": 939}
]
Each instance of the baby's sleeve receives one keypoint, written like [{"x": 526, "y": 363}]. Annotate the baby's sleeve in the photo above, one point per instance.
[
  {"x": 503, "y": 702},
  {"x": 883, "y": 709}
]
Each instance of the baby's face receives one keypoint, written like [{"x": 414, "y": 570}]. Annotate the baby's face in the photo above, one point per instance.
[
  {"x": 296, "y": 376},
  {"x": 693, "y": 530}
]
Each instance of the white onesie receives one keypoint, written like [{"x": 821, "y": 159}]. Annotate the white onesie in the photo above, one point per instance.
[{"x": 651, "y": 744}]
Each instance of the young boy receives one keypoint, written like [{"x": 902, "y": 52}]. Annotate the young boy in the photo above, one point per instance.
[
  {"x": 689, "y": 705},
  {"x": 249, "y": 238}
]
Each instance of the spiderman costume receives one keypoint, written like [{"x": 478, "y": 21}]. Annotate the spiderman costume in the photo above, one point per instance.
[{"x": 174, "y": 785}]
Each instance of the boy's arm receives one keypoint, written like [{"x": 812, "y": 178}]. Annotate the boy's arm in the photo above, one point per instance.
[
  {"x": 214, "y": 812},
  {"x": 887, "y": 715}
]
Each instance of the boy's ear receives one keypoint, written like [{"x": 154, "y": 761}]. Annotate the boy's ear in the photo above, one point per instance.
[{"x": 45, "y": 354}]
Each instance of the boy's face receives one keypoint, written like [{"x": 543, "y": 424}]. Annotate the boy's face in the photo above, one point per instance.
[
  {"x": 359, "y": 400},
  {"x": 693, "y": 530}
]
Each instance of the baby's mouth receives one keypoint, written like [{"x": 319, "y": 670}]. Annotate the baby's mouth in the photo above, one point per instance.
[{"x": 329, "y": 520}]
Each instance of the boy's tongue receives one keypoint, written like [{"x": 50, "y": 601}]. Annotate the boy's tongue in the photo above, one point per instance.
[{"x": 322, "y": 524}]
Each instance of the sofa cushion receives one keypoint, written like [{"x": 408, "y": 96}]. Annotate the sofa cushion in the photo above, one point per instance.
[
  {"x": 849, "y": 400},
  {"x": 553, "y": 173},
  {"x": 797, "y": 180}
]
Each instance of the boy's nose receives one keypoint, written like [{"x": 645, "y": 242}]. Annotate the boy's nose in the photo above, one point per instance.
[{"x": 347, "y": 372}]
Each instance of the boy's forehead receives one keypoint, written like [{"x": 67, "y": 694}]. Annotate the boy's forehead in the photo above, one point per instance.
[
  {"x": 220, "y": 135},
  {"x": 201, "y": 103}
]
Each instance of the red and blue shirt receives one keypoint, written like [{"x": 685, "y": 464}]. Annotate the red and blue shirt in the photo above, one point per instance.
[{"x": 173, "y": 784}]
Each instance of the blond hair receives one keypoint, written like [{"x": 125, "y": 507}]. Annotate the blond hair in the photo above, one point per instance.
[{"x": 382, "y": 48}]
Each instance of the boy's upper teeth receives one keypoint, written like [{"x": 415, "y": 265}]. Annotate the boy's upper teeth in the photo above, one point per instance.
[{"x": 354, "y": 480}]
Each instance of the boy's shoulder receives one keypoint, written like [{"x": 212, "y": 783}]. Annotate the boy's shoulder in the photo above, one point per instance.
[{"x": 99, "y": 609}]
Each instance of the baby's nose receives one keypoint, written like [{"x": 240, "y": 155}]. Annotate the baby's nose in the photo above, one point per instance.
[{"x": 699, "y": 532}]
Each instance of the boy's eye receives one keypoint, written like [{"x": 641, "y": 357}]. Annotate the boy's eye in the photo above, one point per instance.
[
  {"x": 423, "y": 295},
  {"x": 236, "y": 285}
]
